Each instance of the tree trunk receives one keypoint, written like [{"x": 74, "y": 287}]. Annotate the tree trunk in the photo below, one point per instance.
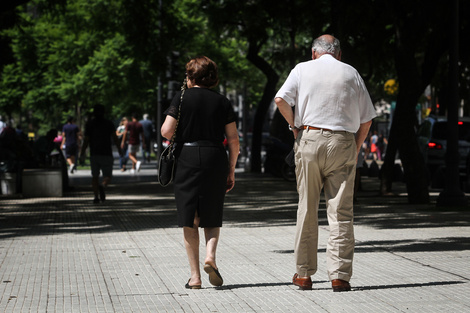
[
  {"x": 411, "y": 158},
  {"x": 263, "y": 106},
  {"x": 414, "y": 74}
]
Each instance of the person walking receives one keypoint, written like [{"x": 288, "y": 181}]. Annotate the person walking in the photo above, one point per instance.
[
  {"x": 374, "y": 139},
  {"x": 71, "y": 139},
  {"x": 100, "y": 134},
  {"x": 119, "y": 133},
  {"x": 147, "y": 126},
  {"x": 134, "y": 133},
  {"x": 381, "y": 145},
  {"x": 2, "y": 125},
  {"x": 332, "y": 116},
  {"x": 204, "y": 172}
]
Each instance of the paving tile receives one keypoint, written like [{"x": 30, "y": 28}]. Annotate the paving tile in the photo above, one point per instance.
[{"x": 127, "y": 254}]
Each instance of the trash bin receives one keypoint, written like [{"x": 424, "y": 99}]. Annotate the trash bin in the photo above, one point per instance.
[
  {"x": 42, "y": 183},
  {"x": 8, "y": 183}
]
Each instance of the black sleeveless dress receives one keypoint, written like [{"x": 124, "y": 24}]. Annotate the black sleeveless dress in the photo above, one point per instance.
[{"x": 202, "y": 162}]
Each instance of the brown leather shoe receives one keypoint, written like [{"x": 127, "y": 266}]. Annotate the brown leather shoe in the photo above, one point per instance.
[
  {"x": 304, "y": 283},
  {"x": 340, "y": 285}
]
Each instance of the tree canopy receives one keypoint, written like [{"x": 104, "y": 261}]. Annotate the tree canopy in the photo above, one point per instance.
[{"x": 60, "y": 57}]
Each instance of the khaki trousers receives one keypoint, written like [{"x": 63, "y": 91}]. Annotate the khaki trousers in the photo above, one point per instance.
[{"x": 325, "y": 159}]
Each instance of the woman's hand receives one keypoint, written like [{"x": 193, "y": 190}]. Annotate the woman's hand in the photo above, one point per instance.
[
  {"x": 230, "y": 181},
  {"x": 231, "y": 133}
]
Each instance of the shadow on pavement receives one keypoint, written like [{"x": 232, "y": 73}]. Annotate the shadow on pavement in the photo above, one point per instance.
[
  {"x": 422, "y": 245},
  {"x": 239, "y": 286},
  {"x": 438, "y": 283},
  {"x": 140, "y": 203}
]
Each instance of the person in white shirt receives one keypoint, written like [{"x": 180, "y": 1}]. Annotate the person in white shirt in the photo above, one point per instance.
[
  {"x": 2, "y": 124},
  {"x": 331, "y": 118}
]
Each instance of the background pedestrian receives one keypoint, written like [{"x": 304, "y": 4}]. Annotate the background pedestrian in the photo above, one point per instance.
[
  {"x": 71, "y": 142},
  {"x": 100, "y": 134},
  {"x": 134, "y": 135}
]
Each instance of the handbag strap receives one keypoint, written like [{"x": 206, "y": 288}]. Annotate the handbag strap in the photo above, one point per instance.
[{"x": 183, "y": 89}]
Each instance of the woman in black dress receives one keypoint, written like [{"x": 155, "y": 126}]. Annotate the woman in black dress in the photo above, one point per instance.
[{"x": 204, "y": 172}]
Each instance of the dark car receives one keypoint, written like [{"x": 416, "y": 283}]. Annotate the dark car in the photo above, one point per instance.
[{"x": 432, "y": 140}]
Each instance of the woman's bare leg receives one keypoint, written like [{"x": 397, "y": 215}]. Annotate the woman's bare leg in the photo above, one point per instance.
[
  {"x": 191, "y": 242},
  {"x": 212, "y": 239}
]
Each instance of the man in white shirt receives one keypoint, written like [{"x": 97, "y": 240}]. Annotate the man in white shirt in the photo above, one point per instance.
[{"x": 332, "y": 116}]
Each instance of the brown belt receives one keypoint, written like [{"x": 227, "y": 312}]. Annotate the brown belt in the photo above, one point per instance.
[{"x": 315, "y": 128}]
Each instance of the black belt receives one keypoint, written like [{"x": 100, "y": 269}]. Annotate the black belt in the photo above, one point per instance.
[{"x": 203, "y": 143}]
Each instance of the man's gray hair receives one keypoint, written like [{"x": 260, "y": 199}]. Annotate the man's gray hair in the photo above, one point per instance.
[{"x": 323, "y": 45}]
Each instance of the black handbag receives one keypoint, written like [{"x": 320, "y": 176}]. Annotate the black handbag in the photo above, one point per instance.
[
  {"x": 166, "y": 166},
  {"x": 167, "y": 161}
]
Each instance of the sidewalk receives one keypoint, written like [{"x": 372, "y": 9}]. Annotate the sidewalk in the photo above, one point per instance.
[{"x": 127, "y": 255}]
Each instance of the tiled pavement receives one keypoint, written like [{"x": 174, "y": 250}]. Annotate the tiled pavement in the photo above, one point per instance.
[{"x": 126, "y": 254}]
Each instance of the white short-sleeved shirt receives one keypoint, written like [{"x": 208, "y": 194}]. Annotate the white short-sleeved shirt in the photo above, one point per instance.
[{"x": 327, "y": 93}]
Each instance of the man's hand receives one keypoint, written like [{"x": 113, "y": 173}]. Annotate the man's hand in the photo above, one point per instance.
[{"x": 296, "y": 131}]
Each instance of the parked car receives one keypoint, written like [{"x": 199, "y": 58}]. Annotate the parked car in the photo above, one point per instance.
[{"x": 432, "y": 140}]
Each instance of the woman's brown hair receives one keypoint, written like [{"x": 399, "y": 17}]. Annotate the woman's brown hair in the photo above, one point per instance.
[{"x": 202, "y": 71}]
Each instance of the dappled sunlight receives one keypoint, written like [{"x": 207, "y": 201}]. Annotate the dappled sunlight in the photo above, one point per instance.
[{"x": 258, "y": 200}]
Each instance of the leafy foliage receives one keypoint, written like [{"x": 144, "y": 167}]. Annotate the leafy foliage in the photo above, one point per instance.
[
  {"x": 67, "y": 55},
  {"x": 74, "y": 54}
]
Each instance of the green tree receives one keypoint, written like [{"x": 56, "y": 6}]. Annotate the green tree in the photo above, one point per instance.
[
  {"x": 419, "y": 30},
  {"x": 69, "y": 55},
  {"x": 266, "y": 26},
  {"x": 413, "y": 35},
  {"x": 382, "y": 39},
  {"x": 67, "y": 58}
]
